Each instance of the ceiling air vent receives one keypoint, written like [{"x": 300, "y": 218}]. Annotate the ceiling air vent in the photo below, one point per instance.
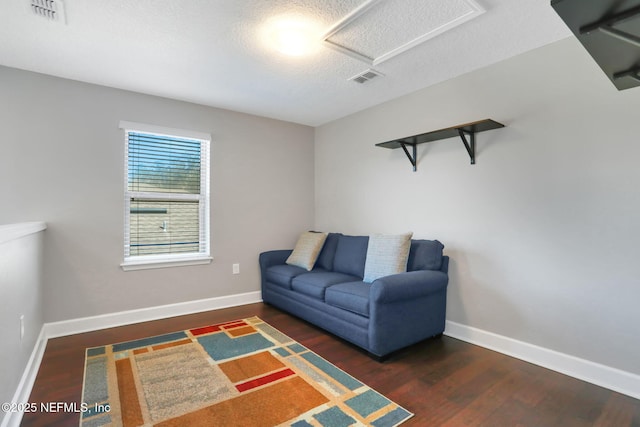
[
  {"x": 366, "y": 76},
  {"x": 50, "y": 9}
]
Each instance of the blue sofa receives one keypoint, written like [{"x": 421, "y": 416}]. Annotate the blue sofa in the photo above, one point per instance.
[{"x": 381, "y": 317}]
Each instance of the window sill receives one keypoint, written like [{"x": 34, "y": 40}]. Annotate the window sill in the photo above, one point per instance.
[{"x": 146, "y": 263}]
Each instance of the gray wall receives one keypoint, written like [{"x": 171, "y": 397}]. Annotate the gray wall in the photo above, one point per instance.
[
  {"x": 62, "y": 162},
  {"x": 20, "y": 294},
  {"x": 543, "y": 231}
]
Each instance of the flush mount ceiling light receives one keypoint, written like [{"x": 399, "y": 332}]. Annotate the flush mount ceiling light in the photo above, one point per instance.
[{"x": 293, "y": 37}]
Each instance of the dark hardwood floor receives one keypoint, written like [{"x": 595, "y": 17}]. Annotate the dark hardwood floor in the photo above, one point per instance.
[{"x": 444, "y": 381}]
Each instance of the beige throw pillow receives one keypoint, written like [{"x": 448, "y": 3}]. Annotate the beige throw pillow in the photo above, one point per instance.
[
  {"x": 386, "y": 255},
  {"x": 307, "y": 250}
]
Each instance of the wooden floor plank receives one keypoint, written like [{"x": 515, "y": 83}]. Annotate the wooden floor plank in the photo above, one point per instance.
[{"x": 444, "y": 381}]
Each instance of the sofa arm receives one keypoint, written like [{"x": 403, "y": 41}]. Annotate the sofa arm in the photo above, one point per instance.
[
  {"x": 409, "y": 285},
  {"x": 270, "y": 258}
]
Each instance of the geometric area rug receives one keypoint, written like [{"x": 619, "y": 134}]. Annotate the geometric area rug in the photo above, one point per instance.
[{"x": 242, "y": 373}]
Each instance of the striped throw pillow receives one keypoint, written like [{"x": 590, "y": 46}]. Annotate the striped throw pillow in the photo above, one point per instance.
[{"x": 386, "y": 254}]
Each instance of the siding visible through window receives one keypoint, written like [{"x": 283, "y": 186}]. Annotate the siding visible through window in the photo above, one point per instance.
[{"x": 166, "y": 196}]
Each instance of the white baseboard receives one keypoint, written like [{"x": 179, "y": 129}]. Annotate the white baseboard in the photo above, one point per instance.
[
  {"x": 111, "y": 320},
  {"x": 13, "y": 419},
  {"x": 595, "y": 373},
  {"x": 94, "y": 323},
  {"x": 604, "y": 376}
]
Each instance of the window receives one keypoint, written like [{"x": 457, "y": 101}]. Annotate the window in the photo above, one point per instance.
[{"x": 166, "y": 197}]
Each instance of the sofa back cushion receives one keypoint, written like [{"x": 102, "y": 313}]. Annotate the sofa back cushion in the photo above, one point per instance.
[
  {"x": 351, "y": 254},
  {"x": 328, "y": 253},
  {"x": 425, "y": 255}
]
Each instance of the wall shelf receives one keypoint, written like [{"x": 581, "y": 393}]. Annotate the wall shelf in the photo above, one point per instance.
[
  {"x": 610, "y": 32},
  {"x": 462, "y": 131}
]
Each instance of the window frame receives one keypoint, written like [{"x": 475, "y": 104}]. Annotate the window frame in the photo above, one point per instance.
[{"x": 203, "y": 256}]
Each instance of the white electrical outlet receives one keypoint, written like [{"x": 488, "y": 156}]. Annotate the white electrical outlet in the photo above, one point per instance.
[
  {"x": 236, "y": 268},
  {"x": 21, "y": 326}
]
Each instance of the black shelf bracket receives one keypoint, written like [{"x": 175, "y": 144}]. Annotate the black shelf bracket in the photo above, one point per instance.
[
  {"x": 606, "y": 26},
  {"x": 468, "y": 129},
  {"x": 471, "y": 147},
  {"x": 413, "y": 159},
  {"x": 634, "y": 73}
]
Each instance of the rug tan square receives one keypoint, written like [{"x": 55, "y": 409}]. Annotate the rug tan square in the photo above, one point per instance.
[{"x": 241, "y": 373}]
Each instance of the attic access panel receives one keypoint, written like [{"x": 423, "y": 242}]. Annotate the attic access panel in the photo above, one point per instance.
[{"x": 610, "y": 31}]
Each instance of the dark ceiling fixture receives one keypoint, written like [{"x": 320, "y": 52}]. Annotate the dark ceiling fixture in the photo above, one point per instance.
[{"x": 610, "y": 31}]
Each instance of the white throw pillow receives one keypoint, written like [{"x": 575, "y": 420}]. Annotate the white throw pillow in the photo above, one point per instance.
[
  {"x": 386, "y": 254},
  {"x": 307, "y": 250}
]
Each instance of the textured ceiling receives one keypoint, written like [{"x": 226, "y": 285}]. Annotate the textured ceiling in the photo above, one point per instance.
[
  {"x": 383, "y": 30},
  {"x": 214, "y": 52}
]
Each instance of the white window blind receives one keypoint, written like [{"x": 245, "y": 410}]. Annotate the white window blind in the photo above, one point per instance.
[{"x": 166, "y": 195}]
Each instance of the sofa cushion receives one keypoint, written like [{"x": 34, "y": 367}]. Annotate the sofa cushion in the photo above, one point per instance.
[
  {"x": 307, "y": 250},
  {"x": 352, "y": 296},
  {"x": 351, "y": 253},
  {"x": 386, "y": 254},
  {"x": 425, "y": 255},
  {"x": 328, "y": 253},
  {"x": 282, "y": 274},
  {"x": 314, "y": 284}
]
